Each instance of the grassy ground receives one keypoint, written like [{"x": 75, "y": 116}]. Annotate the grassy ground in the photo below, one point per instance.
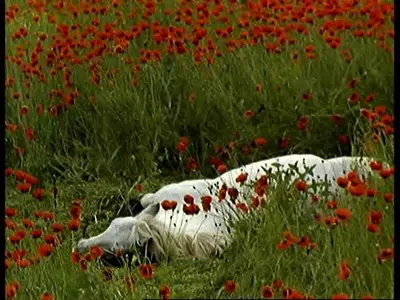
[{"x": 88, "y": 108}]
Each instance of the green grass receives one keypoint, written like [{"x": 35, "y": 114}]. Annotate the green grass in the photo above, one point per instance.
[{"x": 100, "y": 150}]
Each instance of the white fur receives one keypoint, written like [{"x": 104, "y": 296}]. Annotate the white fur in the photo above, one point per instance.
[{"x": 176, "y": 234}]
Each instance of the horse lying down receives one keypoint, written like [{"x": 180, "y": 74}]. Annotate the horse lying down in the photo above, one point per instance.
[{"x": 190, "y": 218}]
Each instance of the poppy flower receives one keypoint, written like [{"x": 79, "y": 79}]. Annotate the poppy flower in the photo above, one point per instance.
[
  {"x": 357, "y": 189},
  {"x": 168, "y": 204},
  {"x": 375, "y": 217},
  {"x": 230, "y": 286},
  {"x": 83, "y": 265},
  {"x": 96, "y": 251},
  {"x": 75, "y": 257},
  {"x": 267, "y": 292},
  {"x": 331, "y": 221},
  {"x": 344, "y": 270},
  {"x": 36, "y": 233},
  {"x": 191, "y": 209},
  {"x": 45, "y": 249},
  {"x": 11, "y": 289},
  {"x": 10, "y": 212},
  {"x": 242, "y": 178},
  {"x": 222, "y": 168},
  {"x": 373, "y": 227},
  {"x": 255, "y": 202},
  {"x": 56, "y": 227},
  {"x": 277, "y": 283},
  {"x": 301, "y": 185},
  {"x": 242, "y": 206},
  {"x": 258, "y": 88},
  {"x": 248, "y": 114},
  {"x": 340, "y": 296},
  {"x": 164, "y": 291},
  {"x": 23, "y": 187},
  {"x": 146, "y": 271},
  {"x": 260, "y": 141},
  {"x": 38, "y": 193},
  {"x": 23, "y": 263},
  {"x": 385, "y": 254},
  {"x": 233, "y": 194},
  {"x": 51, "y": 239},
  {"x": 302, "y": 123},
  {"x": 75, "y": 210},
  {"x": 343, "y": 213},
  {"x": 27, "y": 223},
  {"x": 284, "y": 143},
  {"x": 367, "y": 297},
  {"x": 206, "y": 203},
  {"x": 188, "y": 199},
  {"x": 371, "y": 192},
  {"x": 8, "y": 172},
  {"x": 74, "y": 224},
  {"x": 375, "y": 165},
  {"x": 182, "y": 144},
  {"x": 46, "y": 296},
  {"x": 388, "y": 197},
  {"x": 385, "y": 173},
  {"x": 332, "y": 204}
]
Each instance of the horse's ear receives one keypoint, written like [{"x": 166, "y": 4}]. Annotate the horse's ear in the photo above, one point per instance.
[
  {"x": 147, "y": 200},
  {"x": 153, "y": 209}
]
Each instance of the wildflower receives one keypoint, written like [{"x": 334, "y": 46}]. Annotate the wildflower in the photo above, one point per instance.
[
  {"x": 36, "y": 233},
  {"x": 259, "y": 87},
  {"x": 375, "y": 217},
  {"x": 169, "y": 204},
  {"x": 23, "y": 263},
  {"x": 46, "y": 296},
  {"x": 75, "y": 210},
  {"x": 74, "y": 224},
  {"x": 373, "y": 227},
  {"x": 45, "y": 249},
  {"x": 385, "y": 173},
  {"x": 375, "y": 165},
  {"x": 23, "y": 187},
  {"x": 230, "y": 286},
  {"x": 206, "y": 202},
  {"x": 277, "y": 284},
  {"x": 340, "y": 296},
  {"x": 343, "y": 213},
  {"x": 344, "y": 270},
  {"x": 248, "y": 114},
  {"x": 146, "y": 271},
  {"x": 301, "y": 185},
  {"x": 10, "y": 212},
  {"x": 371, "y": 192},
  {"x": 267, "y": 292},
  {"x": 8, "y": 172},
  {"x": 260, "y": 141},
  {"x": 27, "y": 223},
  {"x": 331, "y": 221},
  {"x": 242, "y": 206},
  {"x": 139, "y": 188},
  {"x": 182, "y": 145},
  {"x": 332, "y": 204},
  {"x": 388, "y": 197},
  {"x": 51, "y": 239},
  {"x": 222, "y": 168},
  {"x": 12, "y": 288},
  {"x": 96, "y": 251},
  {"x": 56, "y": 227},
  {"x": 75, "y": 257},
  {"x": 191, "y": 209},
  {"x": 242, "y": 178},
  {"x": 188, "y": 199},
  {"x": 284, "y": 143},
  {"x": 385, "y": 254},
  {"x": 367, "y": 297},
  {"x": 164, "y": 291},
  {"x": 302, "y": 123}
]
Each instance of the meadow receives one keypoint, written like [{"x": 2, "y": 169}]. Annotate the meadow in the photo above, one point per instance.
[{"x": 109, "y": 99}]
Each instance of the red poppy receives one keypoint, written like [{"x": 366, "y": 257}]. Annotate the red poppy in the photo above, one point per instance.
[
  {"x": 343, "y": 213},
  {"x": 340, "y": 296},
  {"x": 27, "y": 223},
  {"x": 56, "y": 227},
  {"x": 248, "y": 114},
  {"x": 371, "y": 192},
  {"x": 301, "y": 185},
  {"x": 10, "y": 212},
  {"x": 146, "y": 271},
  {"x": 242, "y": 177},
  {"x": 260, "y": 141},
  {"x": 23, "y": 187},
  {"x": 45, "y": 249},
  {"x": 38, "y": 193},
  {"x": 206, "y": 202},
  {"x": 222, "y": 168},
  {"x": 375, "y": 217},
  {"x": 11, "y": 289},
  {"x": 258, "y": 88},
  {"x": 8, "y": 172},
  {"x": 164, "y": 291},
  {"x": 188, "y": 199},
  {"x": 385, "y": 254},
  {"x": 388, "y": 197},
  {"x": 302, "y": 123},
  {"x": 267, "y": 292},
  {"x": 284, "y": 143},
  {"x": 373, "y": 227},
  {"x": 23, "y": 263},
  {"x": 36, "y": 233},
  {"x": 242, "y": 206},
  {"x": 75, "y": 257},
  {"x": 75, "y": 210},
  {"x": 367, "y": 297},
  {"x": 46, "y": 296},
  {"x": 375, "y": 165},
  {"x": 169, "y": 204},
  {"x": 183, "y": 144},
  {"x": 74, "y": 224},
  {"x": 385, "y": 173},
  {"x": 344, "y": 270},
  {"x": 230, "y": 286},
  {"x": 331, "y": 221}
]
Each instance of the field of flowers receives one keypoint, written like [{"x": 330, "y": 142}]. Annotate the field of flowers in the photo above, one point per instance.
[{"x": 109, "y": 99}]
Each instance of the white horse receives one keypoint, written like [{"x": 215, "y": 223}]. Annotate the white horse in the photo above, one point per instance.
[{"x": 203, "y": 232}]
